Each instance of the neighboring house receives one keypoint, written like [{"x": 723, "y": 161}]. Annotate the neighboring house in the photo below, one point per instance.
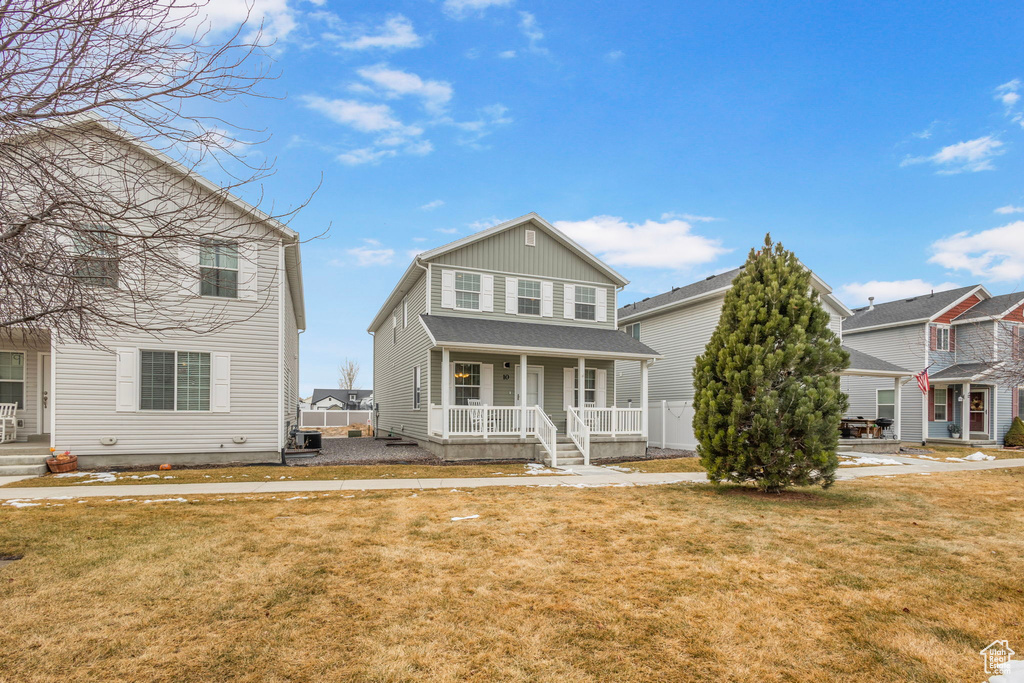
[
  {"x": 959, "y": 335},
  {"x": 679, "y": 323},
  {"x": 340, "y": 399},
  {"x": 480, "y": 350},
  {"x": 174, "y": 397}
]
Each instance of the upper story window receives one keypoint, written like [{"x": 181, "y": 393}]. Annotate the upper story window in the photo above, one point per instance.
[
  {"x": 95, "y": 258},
  {"x": 467, "y": 291},
  {"x": 1017, "y": 350},
  {"x": 175, "y": 380},
  {"x": 12, "y": 378},
  {"x": 218, "y": 268},
  {"x": 633, "y": 330},
  {"x": 529, "y": 297},
  {"x": 586, "y": 303},
  {"x": 940, "y": 338}
]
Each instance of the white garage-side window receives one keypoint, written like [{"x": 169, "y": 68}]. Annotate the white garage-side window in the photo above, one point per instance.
[{"x": 885, "y": 403}]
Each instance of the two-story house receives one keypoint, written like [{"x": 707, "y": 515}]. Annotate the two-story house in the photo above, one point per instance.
[
  {"x": 502, "y": 345},
  {"x": 680, "y": 322},
  {"x": 960, "y": 336},
  {"x": 139, "y": 397},
  {"x": 340, "y": 399}
]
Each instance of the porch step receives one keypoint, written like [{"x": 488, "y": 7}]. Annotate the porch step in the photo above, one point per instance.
[
  {"x": 23, "y": 470},
  {"x": 844, "y": 449},
  {"x": 23, "y": 459}
]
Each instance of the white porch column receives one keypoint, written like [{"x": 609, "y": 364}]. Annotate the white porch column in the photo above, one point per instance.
[
  {"x": 965, "y": 412},
  {"x": 897, "y": 386},
  {"x": 522, "y": 396},
  {"x": 446, "y": 378},
  {"x": 581, "y": 383},
  {"x": 643, "y": 398}
]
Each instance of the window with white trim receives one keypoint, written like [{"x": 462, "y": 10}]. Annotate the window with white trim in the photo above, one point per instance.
[
  {"x": 529, "y": 297},
  {"x": 467, "y": 291},
  {"x": 218, "y": 268},
  {"x": 1017, "y": 352},
  {"x": 467, "y": 383},
  {"x": 589, "y": 389},
  {"x": 941, "y": 337},
  {"x": 939, "y": 406},
  {"x": 633, "y": 330},
  {"x": 12, "y": 378},
  {"x": 586, "y": 303},
  {"x": 416, "y": 388},
  {"x": 174, "y": 380},
  {"x": 95, "y": 258},
  {"x": 885, "y": 403}
]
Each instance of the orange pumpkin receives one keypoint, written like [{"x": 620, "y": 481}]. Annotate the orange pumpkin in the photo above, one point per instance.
[{"x": 165, "y": 466}]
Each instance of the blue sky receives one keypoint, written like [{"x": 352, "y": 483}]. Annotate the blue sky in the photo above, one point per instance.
[{"x": 882, "y": 142}]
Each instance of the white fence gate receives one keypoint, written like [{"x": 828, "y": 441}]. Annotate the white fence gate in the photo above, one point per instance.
[
  {"x": 670, "y": 425},
  {"x": 334, "y": 418}
]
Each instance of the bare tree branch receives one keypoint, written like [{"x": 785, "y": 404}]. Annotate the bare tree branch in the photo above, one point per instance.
[{"x": 348, "y": 374}]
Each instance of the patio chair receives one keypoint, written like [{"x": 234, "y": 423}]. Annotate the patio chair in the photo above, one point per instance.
[
  {"x": 476, "y": 417},
  {"x": 8, "y": 422},
  {"x": 589, "y": 415}
]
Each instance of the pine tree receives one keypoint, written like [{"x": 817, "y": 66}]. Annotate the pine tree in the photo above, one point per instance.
[
  {"x": 768, "y": 403},
  {"x": 1015, "y": 435}
]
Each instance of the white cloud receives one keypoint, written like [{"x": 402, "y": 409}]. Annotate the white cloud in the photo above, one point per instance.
[
  {"x": 413, "y": 253},
  {"x": 365, "y": 155},
  {"x": 614, "y": 55},
  {"x": 488, "y": 118},
  {"x": 373, "y": 254},
  {"x": 435, "y": 94},
  {"x": 367, "y": 118},
  {"x": 1008, "y": 93},
  {"x": 507, "y": 54},
  {"x": 668, "y": 244},
  {"x": 927, "y": 133},
  {"x": 484, "y": 223},
  {"x": 995, "y": 254},
  {"x": 1010, "y": 208},
  {"x": 396, "y": 33},
  {"x": 430, "y": 206},
  {"x": 971, "y": 155},
  {"x": 274, "y": 19},
  {"x": 446, "y": 231},
  {"x": 528, "y": 25},
  {"x": 460, "y": 9},
  {"x": 670, "y": 215},
  {"x": 857, "y": 293},
  {"x": 419, "y": 239}
]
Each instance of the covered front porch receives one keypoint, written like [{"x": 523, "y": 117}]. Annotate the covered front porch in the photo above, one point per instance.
[
  {"x": 26, "y": 382},
  {"x": 960, "y": 396},
  {"x": 878, "y": 433},
  {"x": 552, "y": 404}
]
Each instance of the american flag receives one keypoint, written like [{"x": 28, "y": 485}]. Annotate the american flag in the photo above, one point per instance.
[{"x": 922, "y": 380}]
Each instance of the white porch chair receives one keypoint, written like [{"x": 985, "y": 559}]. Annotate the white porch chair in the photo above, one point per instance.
[
  {"x": 476, "y": 417},
  {"x": 8, "y": 422},
  {"x": 589, "y": 415}
]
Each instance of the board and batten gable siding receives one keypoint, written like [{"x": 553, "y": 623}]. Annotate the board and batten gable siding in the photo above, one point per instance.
[
  {"x": 86, "y": 382},
  {"x": 961, "y": 307},
  {"x": 902, "y": 346},
  {"x": 393, "y": 365}
]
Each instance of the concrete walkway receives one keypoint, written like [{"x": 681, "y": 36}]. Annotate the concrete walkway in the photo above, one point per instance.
[{"x": 581, "y": 477}]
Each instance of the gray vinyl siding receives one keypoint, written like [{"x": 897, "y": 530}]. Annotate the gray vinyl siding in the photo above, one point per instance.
[
  {"x": 86, "y": 382},
  {"x": 290, "y": 361},
  {"x": 680, "y": 335},
  {"x": 393, "y": 365},
  {"x": 558, "y": 300},
  {"x": 507, "y": 252},
  {"x": 975, "y": 342},
  {"x": 1003, "y": 411},
  {"x": 31, "y": 346},
  {"x": 505, "y": 389},
  {"x": 902, "y": 346},
  {"x": 835, "y": 319}
]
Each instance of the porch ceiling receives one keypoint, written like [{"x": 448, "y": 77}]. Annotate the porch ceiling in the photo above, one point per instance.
[{"x": 534, "y": 338}]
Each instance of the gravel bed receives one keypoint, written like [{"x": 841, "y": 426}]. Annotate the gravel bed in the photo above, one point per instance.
[
  {"x": 365, "y": 451},
  {"x": 652, "y": 454},
  {"x": 914, "y": 451}
]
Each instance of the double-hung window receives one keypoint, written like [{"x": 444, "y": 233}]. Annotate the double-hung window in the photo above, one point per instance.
[
  {"x": 586, "y": 303},
  {"x": 941, "y": 337},
  {"x": 529, "y": 297},
  {"x": 175, "y": 380},
  {"x": 467, "y": 383},
  {"x": 633, "y": 331},
  {"x": 218, "y": 268},
  {"x": 467, "y": 291},
  {"x": 939, "y": 404},
  {"x": 416, "y": 386},
  {"x": 885, "y": 403},
  {"x": 12, "y": 378},
  {"x": 589, "y": 387},
  {"x": 95, "y": 258}
]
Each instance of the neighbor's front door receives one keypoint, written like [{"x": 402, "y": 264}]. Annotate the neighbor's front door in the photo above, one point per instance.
[{"x": 979, "y": 412}]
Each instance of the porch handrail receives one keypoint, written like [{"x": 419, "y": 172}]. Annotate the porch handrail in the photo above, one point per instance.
[
  {"x": 547, "y": 434},
  {"x": 484, "y": 421},
  {"x": 613, "y": 421},
  {"x": 579, "y": 432}
]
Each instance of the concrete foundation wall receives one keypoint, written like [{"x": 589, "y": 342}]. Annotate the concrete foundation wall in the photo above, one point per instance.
[
  {"x": 93, "y": 462},
  {"x": 529, "y": 450}
]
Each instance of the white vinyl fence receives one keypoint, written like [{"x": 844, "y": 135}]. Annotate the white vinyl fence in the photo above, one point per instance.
[
  {"x": 670, "y": 425},
  {"x": 334, "y": 418}
]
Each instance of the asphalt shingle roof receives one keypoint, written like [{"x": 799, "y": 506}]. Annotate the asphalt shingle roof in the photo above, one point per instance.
[
  {"x": 960, "y": 371},
  {"x": 997, "y": 305},
  {"x": 340, "y": 394},
  {"x": 533, "y": 335},
  {"x": 862, "y": 361},
  {"x": 708, "y": 284},
  {"x": 913, "y": 308}
]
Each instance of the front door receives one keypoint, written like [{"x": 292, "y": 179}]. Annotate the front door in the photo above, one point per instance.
[
  {"x": 534, "y": 387},
  {"x": 979, "y": 412},
  {"x": 45, "y": 400}
]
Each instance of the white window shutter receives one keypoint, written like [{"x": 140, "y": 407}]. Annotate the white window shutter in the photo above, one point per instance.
[
  {"x": 447, "y": 289},
  {"x": 487, "y": 293},
  {"x": 512, "y": 295},
  {"x": 547, "y": 299},
  {"x": 602, "y": 305},
  {"x": 569, "y": 304},
  {"x": 127, "y": 378},
  {"x": 601, "y": 393},
  {"x": 405, "y": 313},
  {"x": 248, "y": 269},
  {"x": 189, "y": 256},
  {"x": 451, "y": 384},
  {"x": 487, "y": 384},
  {"x": 220, "y": 382},
  {"x": 568, "y": 386}
]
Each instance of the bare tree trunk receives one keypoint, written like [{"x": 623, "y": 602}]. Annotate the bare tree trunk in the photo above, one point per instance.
[{"x": 348, "y": 373}]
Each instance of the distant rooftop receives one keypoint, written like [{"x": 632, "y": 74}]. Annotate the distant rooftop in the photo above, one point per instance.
[
  {"x": 708, "y": 284},
  {"x": 903, "y": 310}
]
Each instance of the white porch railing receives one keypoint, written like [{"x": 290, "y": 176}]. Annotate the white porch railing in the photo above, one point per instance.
[
  {"x": 486, "y": 421},
  {"x": 579, "y": 432},
  {"x": 613, "y": 421},
  {"x": 547, "y": 433}
]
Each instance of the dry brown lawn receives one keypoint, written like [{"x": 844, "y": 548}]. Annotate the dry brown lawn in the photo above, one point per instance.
[
  {"x": 943, "y": 452},
  {"x": 901, "y": 579},
  {"x": 665, "y": 465},
  {"x": 278, "y": 473}
]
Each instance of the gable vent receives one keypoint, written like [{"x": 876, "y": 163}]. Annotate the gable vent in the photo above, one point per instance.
[{"x": 531, "y": 238}]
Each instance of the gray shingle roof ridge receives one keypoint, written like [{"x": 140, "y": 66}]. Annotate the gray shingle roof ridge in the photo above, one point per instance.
[{"x": 708, "y": 284}]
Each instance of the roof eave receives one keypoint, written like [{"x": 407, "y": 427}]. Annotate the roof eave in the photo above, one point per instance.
[
  {"x": 391, "y": 301},
  {"x": 901, "y": 323},
  {"x": 697, "y": 298},
  {"x": 545, "y": 351}
]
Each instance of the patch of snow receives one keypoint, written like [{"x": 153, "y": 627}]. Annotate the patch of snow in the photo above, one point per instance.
[
  {"x": 297, "y": 498},
  {"x": 926, "y": 457},
  {"x": 869, "y": 460},
  {"x": 459, "y": 519},
  {"x": 537, "y": 468},
  {"x": 978, "y": 455},
  {"x": 167, "y": 476},
  {"x": 20, "y": 503},
  {"x": 1010, "y": 672},
  {"x": 924, "y": 474},
  {"x": 166, "y": 500},
  {"x": 95, "y": 476},
  {"x": 149, "y": 476},
  {"x": 618, "y": 469},
  {"x": 955, "y": 459}
]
